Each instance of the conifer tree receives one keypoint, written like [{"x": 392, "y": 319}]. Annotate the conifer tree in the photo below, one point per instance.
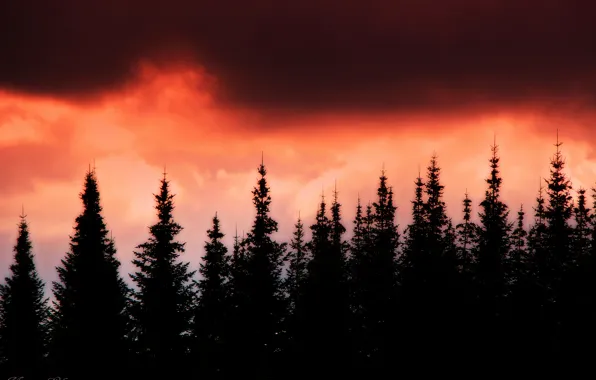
[
  {"x": 320, "y": 288},
  {"x": 237, "y": 333},
  {"x": 517, "y": 257},
  {"x": 467, "y": 237},
  {"x": 297, "y": 258},
  {"x": 89, "y": 320},
  {"x": 266, "y": 304},
  {"x": 582, "y": 231},
  {"x": 537, "y": 241},
  {"x": 493, "y": 250},
  {"x": 558, "y": 213},
  {"x": 377, "y": 282},
  {"x": 414, "y": 249},
  {"x": 494, "y": 242},
  {"x": 163, "y": 303},
  {"x": 23, "y": 313},
  {"x": 213, "y": 307}
]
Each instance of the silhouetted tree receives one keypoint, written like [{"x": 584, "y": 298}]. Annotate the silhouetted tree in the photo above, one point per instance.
[
  {"x": 89, "y": 320},
  {"x": 467, "y": 237},
  {"x": 376, "y": 283},
  {"x": 213, "y": 308},
  {"x": 266, "y": 303},
  {"x": 493, "y": 249},
  {"x": 163, "y": 303},
  {"x": 297, "y": 258},
  {"x": 559, "y": 234},
  {"x": 23, "y": 314},
  {"x": 518, "y": 255}
]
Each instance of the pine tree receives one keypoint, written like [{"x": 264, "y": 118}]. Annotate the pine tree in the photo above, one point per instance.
[
  {"x": 583, "y": 228},
  {"x": 238, "y": 334},
  {"x": 266, "y": 306},
  {"x": 162, "y": 305},
  {"x": 517, "y": 256},
  {"x": 297, "y": 258},
  {"x": 558, "y": 213},
  {"x": 378, "y": 282},
  {"x": 494, "y": 240},
  {"x": 467, "y": 237},
  {"x": 414, "y": 248},
  {"x": 89, "y": 320},
  {"x": 321, "y": 288},
  {"x": 213, "y": 308},
  {"x": 23, "y": 313}
]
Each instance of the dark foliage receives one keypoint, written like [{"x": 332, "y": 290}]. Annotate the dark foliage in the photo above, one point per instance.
[
  {"x": 89, "y": 321},
  {"x": 487, "y": 291},
  {"x": 162, "y": 305},
  {"x": 23, "y": 314}
]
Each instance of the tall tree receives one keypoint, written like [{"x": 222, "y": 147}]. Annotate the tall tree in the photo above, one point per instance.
[
  {"x": 559, "y": 234},
  {"x": 89, "y": 320},
  {"x": 162, "y": 305},
  {"x": 493, "y": 249},
  {"x": 213, "y": 308},
  {"x": 467, "y": 237},
  {"x": 518, "y": 255},
  {"x": 582, "y": 231},
  {"x": 23, "y": 313},
  {"x": 297, "y": 259},
  {"x": 378, "y": 282},
  {"x": 264, "y": 289}
]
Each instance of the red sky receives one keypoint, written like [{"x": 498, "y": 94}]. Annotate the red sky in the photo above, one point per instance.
[{"x": 329, "y": 94}]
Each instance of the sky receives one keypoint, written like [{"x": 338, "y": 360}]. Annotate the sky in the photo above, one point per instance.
[{"x": 329, "y": 92}]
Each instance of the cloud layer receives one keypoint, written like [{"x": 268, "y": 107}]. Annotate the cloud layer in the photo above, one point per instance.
[{"x": 307, "y": 56}]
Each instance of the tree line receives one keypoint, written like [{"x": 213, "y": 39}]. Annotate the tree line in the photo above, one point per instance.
[{"x": 496, "y": 292}]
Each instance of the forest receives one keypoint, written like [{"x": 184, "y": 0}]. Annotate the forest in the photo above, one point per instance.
[{"x": 515, "y": 288}]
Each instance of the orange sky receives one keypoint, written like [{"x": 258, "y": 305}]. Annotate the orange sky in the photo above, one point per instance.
[{"x": 212, "y": 152}]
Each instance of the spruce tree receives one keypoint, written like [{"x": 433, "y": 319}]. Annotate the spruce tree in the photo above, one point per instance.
[
  {"x": 238, "y": 333},
  {"x": 582, "y": 231},
  {"x": 558, "y": 213},
  {"x": 23, "y": 313},
  {"x": 559, "y": 233},
  {"x": 266, "y": 304},
  {"x": 518, "y": 255},
  {"x": 377, "y": 282},
  {"x": 493, "y": 245},
  {"x": 297, "y": 259},
  {"x": 213, "y": 308},
  {"x": 162, "y": 304},
  {"x": 413, "y": 256},
  {"x": 89, "y": 320},
  {"x": 467, "y": 237},
  {"x": 321, "y": 288}
]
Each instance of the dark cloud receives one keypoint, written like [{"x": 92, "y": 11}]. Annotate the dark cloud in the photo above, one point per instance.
[{"x": 305, "y": 55}]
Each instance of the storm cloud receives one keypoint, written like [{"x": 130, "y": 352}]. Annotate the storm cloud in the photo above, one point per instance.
[{"x": 311, "y": 55}]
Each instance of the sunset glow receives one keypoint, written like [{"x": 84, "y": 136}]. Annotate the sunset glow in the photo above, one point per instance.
[{"x": 167, "y": 118}]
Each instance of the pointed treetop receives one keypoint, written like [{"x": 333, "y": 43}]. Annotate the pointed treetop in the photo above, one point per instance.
[
  {"x": 216, "y": 214},
  {"x": 164, "y": 172},
  {"x": 262, "y": 158},
  {"x": 335, "y": 192},
  {"x": 23, "y": 211},
  {"x": 558, "y": 144}
]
